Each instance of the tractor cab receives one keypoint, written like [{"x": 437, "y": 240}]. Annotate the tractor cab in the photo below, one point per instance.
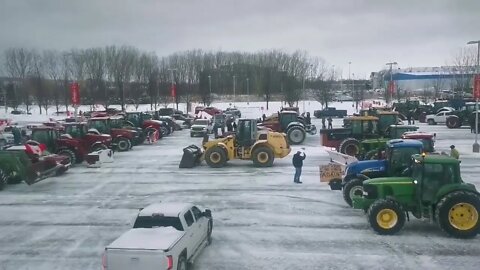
[
  {"x": 102, "y": 124},
  {"x": 246, "y": 132},
  {"x": 76, "y": 130},
  {"x": 47, "y": 136},
  {"x": 137, "y": 118},
  {"x": 287, "y": 117},
  {"x": 362, "y": 126},
  {"x": 399, "y": 155}
]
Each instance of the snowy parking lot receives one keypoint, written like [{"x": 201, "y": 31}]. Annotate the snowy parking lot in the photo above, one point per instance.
[{"x": 261, "y": 219}]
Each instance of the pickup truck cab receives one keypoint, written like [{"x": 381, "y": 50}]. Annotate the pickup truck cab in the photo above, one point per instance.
[
  {"x": 165, "y": 236},
  {"x": 330, "y": 112}
]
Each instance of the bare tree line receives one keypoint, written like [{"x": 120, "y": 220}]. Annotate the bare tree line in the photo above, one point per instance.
[{"x": 125, "y": 75}]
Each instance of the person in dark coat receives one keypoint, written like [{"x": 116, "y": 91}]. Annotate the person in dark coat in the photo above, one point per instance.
[
  {"x": 17, "y": 135},
  {"x": 234, "y": 125},
  {"x": 308, "y": 119},
  {"x": 298, "y": 164},
  {"x": 323, "y": 123},
  {"x": 330, "y": 122},
  {"x": 263, "y": 117},
  {"x": 229, "y": 125}
]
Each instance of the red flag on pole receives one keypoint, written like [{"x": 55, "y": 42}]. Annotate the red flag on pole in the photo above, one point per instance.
[
  {"x": 173, "y": 90},
  {"x": 476, "y": 86},
  {"x": 75, "y": 93},
  {"x": 391, "y": 87}
]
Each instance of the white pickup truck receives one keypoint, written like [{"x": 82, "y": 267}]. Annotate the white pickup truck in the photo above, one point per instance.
[{"x": 165, "y": 236}]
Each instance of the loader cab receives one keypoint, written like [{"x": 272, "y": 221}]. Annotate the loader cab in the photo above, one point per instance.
[
  {"x": 246, "y": 132},
  {"x": 287, "y": 117},
  {"x": 432, "y": 173}
]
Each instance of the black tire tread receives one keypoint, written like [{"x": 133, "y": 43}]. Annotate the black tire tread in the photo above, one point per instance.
[
  {"x": 348, "y": 186},
  {"x": 381, "y": 204},
  {"x": 263, "y": 149}
]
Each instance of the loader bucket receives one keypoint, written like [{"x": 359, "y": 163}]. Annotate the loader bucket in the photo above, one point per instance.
[{"x": 191, "y": 156}]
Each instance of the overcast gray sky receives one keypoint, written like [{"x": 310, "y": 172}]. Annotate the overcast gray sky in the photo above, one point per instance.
[{"x": 368, "y": 33}]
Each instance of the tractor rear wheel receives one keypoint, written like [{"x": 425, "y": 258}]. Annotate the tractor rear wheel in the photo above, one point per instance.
[
  {"x": 457, "y": 214},
  {"x": 263, "y": 157},
  {"x": 386, "y": 216},
  {"x": 69, "y": 153},
  {"x": 353, "y": 188},
  {"x": 350, "y": 146},
  {"x": 216, "y": 157},
  {"x": 453, "y": 121},
  {"x": 296, "y": 135},
  {"x": 123, "y": 144},
  {"x": 3, "y": 179}
]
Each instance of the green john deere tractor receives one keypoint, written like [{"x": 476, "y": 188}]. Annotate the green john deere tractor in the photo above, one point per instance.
[{"x": 434, "y": 191}]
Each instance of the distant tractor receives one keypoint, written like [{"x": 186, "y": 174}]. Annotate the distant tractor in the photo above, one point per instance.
[
  {"x": 247, "y": 144},
  {"x": 289, "y": 123},
  {"x": 347, "y": 140},
  {"x": 123, "y": 138},
  {"x": 459, "y": 118},
  {"x": 434, "y": 191},
  {"x": 76, "y": 143},
  {"x": 151, "y": 128},
  {"x": 397, "y": 158}
]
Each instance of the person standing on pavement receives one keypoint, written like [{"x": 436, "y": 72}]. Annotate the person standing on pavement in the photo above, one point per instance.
[
  {"x": 298, "y": 164},
  {"x": 330, "y": 122},
  {"x": 323, "y": 123},
  {"x": 308, "y": 119},
  {"x": 454, "y": 152}
]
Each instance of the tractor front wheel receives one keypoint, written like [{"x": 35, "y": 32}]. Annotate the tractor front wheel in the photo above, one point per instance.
[
  {"x": 69, "y": 153},
  {"x": 123, "y": 144},
  {"x": 216, "y": 157},
  {"x": 296, "y": 135},
  {"x": 350, "y": 146},
  {"x": 386, "y": 217},
  {"x": 263, "y": 157},
  {"x": 457, "y": 214},
  {"x": 353, "y": 188}
]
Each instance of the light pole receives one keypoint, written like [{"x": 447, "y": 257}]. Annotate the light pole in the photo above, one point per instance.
[
  {"x": 391, "y": 80},
  {"x": 476, "y": 146},
  {"x": 234, "y": 85},
  {"x": 248, "y": 91},
  {"x": 209, "y": 89},
  {"x": 354, "y": 93},
  {"x": 5, "y": 96}
]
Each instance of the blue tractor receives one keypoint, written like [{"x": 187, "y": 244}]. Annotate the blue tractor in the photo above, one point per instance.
[{"x": 395, "y": 160}]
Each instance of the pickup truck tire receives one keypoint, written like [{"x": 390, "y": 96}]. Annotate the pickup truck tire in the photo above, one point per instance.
[
  {"x": 352, "y": 188},
  {"x": 431, "y": 122},
  {"x": 216, "y": 157},
  {"x": 4, "y": 180},
  {"x": 69, "y": 153},
  {"x": 182, "y": 263}
]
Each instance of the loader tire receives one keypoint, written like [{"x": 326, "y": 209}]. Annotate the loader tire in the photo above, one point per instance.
[
  {"x": 350, "y": 146},
  {"x": 263, "y": 157},
  {"x": 458, "y": 214},
  {"x": 69, "y": 153},
  {"x": 216, "y": 157}
]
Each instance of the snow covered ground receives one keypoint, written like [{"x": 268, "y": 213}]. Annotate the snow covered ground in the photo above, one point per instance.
[{"x": 261, "y": 219}]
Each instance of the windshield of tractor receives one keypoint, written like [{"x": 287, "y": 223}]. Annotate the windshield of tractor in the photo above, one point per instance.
[
  {"x": 428, "y": 145},
  {"x": 99, "y": 125},
  {"x": 134, "y": 118},
  {"x": 435, "y": 176},
  {"x": 400, "y": 158},
  {"x": 116, "y": 123},
  {"x": 76, "y": 131}
]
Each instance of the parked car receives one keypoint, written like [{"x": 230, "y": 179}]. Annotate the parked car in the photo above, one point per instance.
[
  {"x": 234, "y": 112},
  {"x": 439, "y": 118},
  {"x": 164, "y": 236},
  {"x": 201, "y": 127}
]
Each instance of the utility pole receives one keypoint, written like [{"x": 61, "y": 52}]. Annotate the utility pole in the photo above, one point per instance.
[
  {"x": 476, "y": 146},
  {"x": 248, "y": 92},
  {"x": 355, "y": 94},
  {"x": 234, "y": 85},
  {"x": 390, "y": 85},
  {"x": 5, "y": 97}
]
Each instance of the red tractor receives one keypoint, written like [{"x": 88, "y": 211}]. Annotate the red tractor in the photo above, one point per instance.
[
  {"x": 76, "y": 143},
  {"x": 123, "y": 138}
]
